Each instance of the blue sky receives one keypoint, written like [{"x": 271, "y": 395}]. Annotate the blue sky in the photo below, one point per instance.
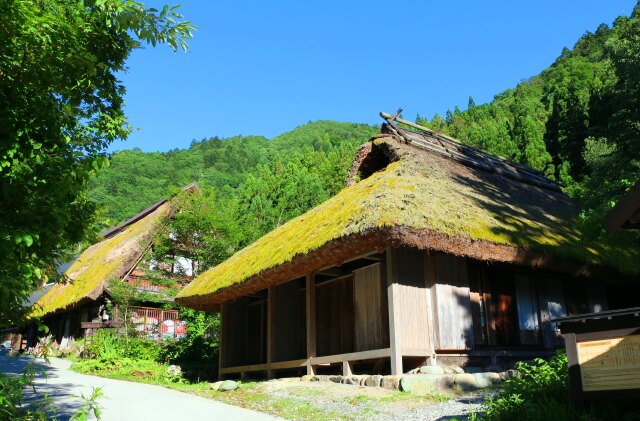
[{"x": 263, "y": 68}]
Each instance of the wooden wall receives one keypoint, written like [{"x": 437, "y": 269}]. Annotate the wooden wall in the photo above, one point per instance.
[
  {"x": 246, "y": 332},
  {"x": 334, "y": 317},
  {"x": 410, "y": 298},
  {"x": 450, "y": 299},
  {"x": 370, "y": 315},
  {"x": 289, "y": 336}
]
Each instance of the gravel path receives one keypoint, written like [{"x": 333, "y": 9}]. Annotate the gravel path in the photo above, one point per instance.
[
  {"x": 458, "y": 409},
  {"x": 124, "y": 400}
]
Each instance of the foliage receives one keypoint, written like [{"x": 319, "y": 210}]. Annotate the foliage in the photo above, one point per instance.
[
  {"x": 541, "y": 389},
  {"x": 61, "y": 105},
  {"x": 578, "y": 121},
  {"x": 201, "y": 343},
  {"x": 541, "y": 392},
  {"x": 201, "y": 230},
  {"x": 221, "y": 166},
  {"x": 108, "y": 347}
]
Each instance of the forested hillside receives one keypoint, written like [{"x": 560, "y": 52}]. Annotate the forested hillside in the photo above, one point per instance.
[
  {"x": 308, "y": 162},
  {"x": 578, "y": 121}
]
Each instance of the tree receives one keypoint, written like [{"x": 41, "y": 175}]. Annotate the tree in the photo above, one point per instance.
[{"x": 61, "y": 105}]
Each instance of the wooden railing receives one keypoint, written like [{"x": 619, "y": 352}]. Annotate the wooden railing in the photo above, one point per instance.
[{"x": 158, "y": 324}]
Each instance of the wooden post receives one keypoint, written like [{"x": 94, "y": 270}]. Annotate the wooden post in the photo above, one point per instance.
[
  {"x": 160, "y": 321},
  {"x": 394, "y": 325},
  {"x": 575, "y": 379},
  {"x": 270, "y": 328},
  {"x": 347, "y": 368},
  {"x": 430, "y": 279},
  {"x": 311, "y": 320},
  {"x": 223, "y": 338}
]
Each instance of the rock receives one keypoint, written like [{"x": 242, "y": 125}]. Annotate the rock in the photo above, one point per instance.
[
  {"x": 320, "y": 378},
  {"x": 431, "y": 369},
  {"x": 495, "y": 377},
  {"x": 465, "y": 382},
  {"x": 423, "y": 384},
  {"x": 391, "y": 382},
  {"x": 373, "y": 381},
  {"x": 494, "y": 368},
  {"x": 353, "y": 380},
  {"x": 472, "y": 370},
  {"x": 228, "y": 385},
  {"x": 483, "y": 379},
  {"x": 336, "y": 379},
  {"x": 448, "y": 370},
  {"x": 174, "y": 370},
  {"x": 509, "y": 374},
  {"x": 216, "y": 385},
  {"x": 306, "y": 378}
]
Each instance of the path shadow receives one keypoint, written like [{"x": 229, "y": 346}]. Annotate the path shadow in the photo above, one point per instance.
[{"x": 62, "y": 395}]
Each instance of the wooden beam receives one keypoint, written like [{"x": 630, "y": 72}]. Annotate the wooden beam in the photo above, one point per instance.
[
  {"x": 245, "y": 368},
  {"x": 430, "y": 282},
  {"x": 351, "y": 259},
  {"x": 352, "y": 356},
  {"x": 334, "y": 271},
  {"x": 271, "y": 296},
  {"x": 289, "y": 364},
  {"x": 311, "y": 319},
  {"x": 394, "y": 324},
  {"x": 223, "y": 339},
  {"x": 416, "y": 352}
]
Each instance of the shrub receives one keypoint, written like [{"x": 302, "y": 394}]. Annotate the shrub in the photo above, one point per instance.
[
  {"x": 142, "y": 349},
  {"x": 541, "y": 384},
  {"x": 106, "y": 345},
  {"x": 541, "y": 392}
]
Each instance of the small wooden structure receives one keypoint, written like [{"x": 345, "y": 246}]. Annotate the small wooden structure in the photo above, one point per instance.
[
  {"x": 435, "y": 253},
  {"x": 603, "y": 350}
]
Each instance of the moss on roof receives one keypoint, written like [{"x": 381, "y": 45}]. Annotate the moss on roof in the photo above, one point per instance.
[
  {"x": 423, "y": 191},
  {"x": 101, "y": 262}
]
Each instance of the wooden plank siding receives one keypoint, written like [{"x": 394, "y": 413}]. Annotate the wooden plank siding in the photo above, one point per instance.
[
  {"x": 289, "y": 336},
  {"x": 408, "y": 305},
  {"x": 450, "y": 298},
  {"x": 334, "y": 317},
  {"x": 371, "y": 329}
]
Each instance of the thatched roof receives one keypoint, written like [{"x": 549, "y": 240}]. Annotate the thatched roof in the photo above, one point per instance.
[
  {"x": 419, "y": 197},
  {"x": 113, "y": 258},
  {"x": 109, "y": 259}
]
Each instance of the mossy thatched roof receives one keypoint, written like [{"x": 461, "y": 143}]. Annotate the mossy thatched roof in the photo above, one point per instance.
[
  {"x": 420, "y": 199},
  {"x": 109, "y": 259}
]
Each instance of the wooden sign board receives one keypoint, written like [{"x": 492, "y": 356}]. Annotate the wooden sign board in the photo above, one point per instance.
[{"x": 610, "y": 364}]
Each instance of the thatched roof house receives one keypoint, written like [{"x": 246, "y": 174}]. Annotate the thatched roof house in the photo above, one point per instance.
[
  {"x": 417, "y": 196},
  {"x": 115, "y": 257}
]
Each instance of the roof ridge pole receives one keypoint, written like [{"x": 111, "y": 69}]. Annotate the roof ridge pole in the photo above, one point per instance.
[{"x": 395, "y": 338}]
